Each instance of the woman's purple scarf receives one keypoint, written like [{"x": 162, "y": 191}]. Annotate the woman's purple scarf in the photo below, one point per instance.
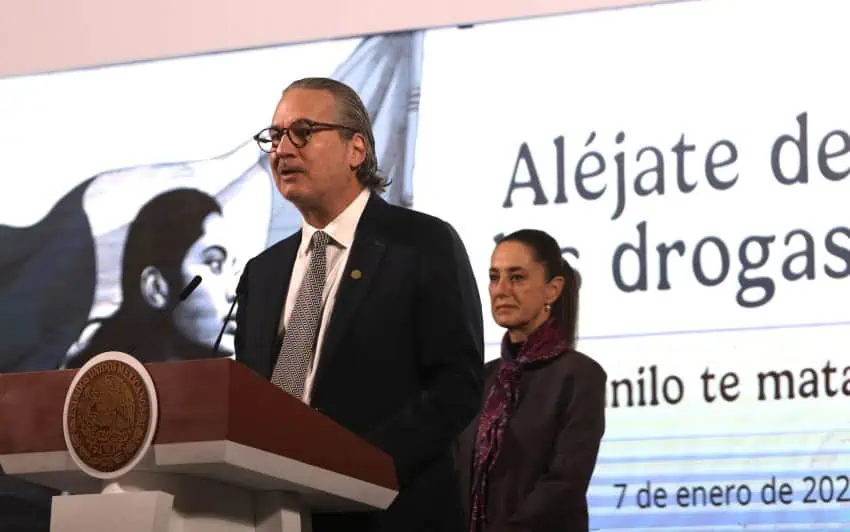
[{"x": 546, "y": 342}]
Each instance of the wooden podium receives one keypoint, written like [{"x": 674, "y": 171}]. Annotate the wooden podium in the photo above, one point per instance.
[{"x": 227, "y": 451}]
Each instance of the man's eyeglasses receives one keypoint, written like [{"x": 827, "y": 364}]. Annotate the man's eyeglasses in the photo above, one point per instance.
[{"x": 299, "y": 133}]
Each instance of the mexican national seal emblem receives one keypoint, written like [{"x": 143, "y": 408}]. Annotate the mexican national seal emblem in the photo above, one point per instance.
[{"x": 110, "y": 415}]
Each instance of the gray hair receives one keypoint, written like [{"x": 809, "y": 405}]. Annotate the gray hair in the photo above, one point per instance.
[{"x": 350, "y": 113}]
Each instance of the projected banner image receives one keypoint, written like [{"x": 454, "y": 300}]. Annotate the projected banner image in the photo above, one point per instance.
[{"x": 692, "y": 159}]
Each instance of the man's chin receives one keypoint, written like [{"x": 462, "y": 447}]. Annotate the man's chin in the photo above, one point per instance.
[{"x": 291, "y": 192}]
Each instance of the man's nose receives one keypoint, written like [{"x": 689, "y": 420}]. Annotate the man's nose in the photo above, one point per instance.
[{"x": 285, "y": 147}]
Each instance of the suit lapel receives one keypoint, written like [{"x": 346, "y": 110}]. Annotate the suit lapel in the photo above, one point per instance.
[
  {"x": 277, "y": 273},
  {"x": 360, "y": 270}
]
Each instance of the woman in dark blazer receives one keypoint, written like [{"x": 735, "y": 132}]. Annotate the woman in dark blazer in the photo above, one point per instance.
[{"x": 526, "y": 461}]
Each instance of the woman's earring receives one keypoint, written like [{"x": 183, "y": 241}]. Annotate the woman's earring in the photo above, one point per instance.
[{"x": 548, "y": 307}]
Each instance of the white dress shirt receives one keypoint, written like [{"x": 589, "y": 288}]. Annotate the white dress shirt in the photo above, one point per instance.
[{"x": 341, "y": 233}]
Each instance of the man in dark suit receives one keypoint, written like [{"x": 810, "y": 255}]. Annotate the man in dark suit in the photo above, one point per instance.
[{"x": 370, "y": 313}]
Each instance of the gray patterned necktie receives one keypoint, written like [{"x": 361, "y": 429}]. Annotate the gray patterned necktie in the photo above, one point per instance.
[{"x": 299, "y": 339}]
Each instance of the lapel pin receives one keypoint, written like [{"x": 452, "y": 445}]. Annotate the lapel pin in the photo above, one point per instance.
[{"x": 356, "y": 274}]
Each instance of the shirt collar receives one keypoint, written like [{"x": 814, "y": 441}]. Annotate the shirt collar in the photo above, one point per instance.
[{"x": 342, "y": 228}]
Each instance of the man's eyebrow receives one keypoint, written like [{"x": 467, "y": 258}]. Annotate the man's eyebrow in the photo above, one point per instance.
[{"x": 296, "y": 119}]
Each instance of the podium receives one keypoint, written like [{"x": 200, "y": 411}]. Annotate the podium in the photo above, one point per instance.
[{"x": 212, "y": 447}]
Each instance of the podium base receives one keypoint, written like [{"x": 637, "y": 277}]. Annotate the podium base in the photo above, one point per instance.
[
  {"x": 147, "y": 502},
  {"x": 128, "y": 512},
  {"x": 280, "y": 512}
]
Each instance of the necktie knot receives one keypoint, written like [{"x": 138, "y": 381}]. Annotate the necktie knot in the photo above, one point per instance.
[{"x": 320, "y": 240}]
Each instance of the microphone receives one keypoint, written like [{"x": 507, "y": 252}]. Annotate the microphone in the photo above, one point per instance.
[
  {"x": 196, "y": 280},
  {"x": 185, "y": 293},
  {"x": 226, "y": 321}
]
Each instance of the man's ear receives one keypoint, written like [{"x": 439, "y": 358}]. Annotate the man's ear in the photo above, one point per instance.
[
  {"x": 154, "y": 287},
  {"x": 358, "y": 150}
]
